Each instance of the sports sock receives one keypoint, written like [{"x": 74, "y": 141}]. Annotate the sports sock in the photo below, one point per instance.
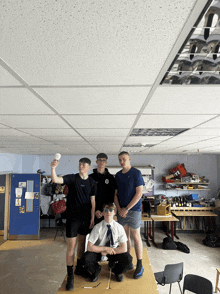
[
  {"x": 70, "y": 270},
  {"x": 139, "y": 263}
]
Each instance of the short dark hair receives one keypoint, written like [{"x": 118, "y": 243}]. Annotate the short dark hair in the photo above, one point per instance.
[
  {"x": 123, "y": 152},
  {"x": 102, "y": 155},
  {"x": 85, "y": 160}
]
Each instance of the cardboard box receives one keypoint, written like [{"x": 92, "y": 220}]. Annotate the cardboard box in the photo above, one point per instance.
[{"x": 163, "y": 209}]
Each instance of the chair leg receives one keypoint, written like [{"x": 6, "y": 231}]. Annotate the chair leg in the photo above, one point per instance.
[
  {"x": 170, "y": 288},
  {"x": 55, "y": 235},
  {"x": 180, "y": 288}
]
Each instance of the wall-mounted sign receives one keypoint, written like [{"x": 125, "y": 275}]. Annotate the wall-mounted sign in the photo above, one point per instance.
[
  {"x": 29, "y": 195},
  {"x": 22, "y": 185},
  {"x": 2, "y": 189},
  {"x": 18, "y": 192},
  {"x": 17, "y": 202}
]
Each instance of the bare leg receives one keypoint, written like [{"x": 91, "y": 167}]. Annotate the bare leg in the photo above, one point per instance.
[
  {"x": 71, "y": 245},
  {"x": 137, "y": 242},
  {"x": 127, "y": 231}
]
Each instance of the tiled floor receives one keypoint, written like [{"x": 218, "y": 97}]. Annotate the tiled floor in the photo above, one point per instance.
[{"x": 40, "y": 267}]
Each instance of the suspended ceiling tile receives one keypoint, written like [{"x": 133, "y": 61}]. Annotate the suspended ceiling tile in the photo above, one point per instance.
[
  {"x": 190, "y": 138},
  {"x": 7, "y": 79},
  {"x": 103, "y": 100},
  {"x": 66, "y": 140},
  {"x": 103, "y": 132},
  {"x": 3, "y": 127},
  {"x": 184, "y": 100},
  {"x": 171, "y": 121},
  {"x": 11, "y": 133},
  {"x": 21, "y": 101},
  {"x": 99, "y": 42},
  {"x": 146, "y": 139},
  {"x": 213, "y": 124},
  {"x": 33, "y": 121},
  {"x": 106, "y": 140},
  {"x": 51, "y": 133},
  {"x": 100, "y": 121},
  {"x": 200, "y": 132}
]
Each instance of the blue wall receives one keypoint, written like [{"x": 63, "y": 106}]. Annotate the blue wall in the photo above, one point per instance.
[{"x": 203, "y": 165}]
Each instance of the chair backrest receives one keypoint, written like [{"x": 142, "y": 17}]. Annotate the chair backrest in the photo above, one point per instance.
[
  {"x": 197, "y": 284},
  {"x": 173, "y": 273}
]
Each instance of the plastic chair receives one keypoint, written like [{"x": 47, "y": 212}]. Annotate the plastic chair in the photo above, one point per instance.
[
  {"x": 197, "y": 285},
  {"x": 172, "y": 273}
]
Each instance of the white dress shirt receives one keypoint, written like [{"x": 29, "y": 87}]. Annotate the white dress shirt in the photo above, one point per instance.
[{"x": 99, "y": 233}]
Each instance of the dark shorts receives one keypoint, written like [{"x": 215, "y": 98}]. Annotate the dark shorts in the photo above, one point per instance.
[{"x": 77, "y": 227}]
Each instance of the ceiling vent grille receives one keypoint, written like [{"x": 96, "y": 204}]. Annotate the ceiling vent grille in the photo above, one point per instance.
[{"x": 157, "y": 132}]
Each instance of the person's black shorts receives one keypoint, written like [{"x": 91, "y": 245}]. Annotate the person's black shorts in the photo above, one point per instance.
[{"x": 77, "y": 227}]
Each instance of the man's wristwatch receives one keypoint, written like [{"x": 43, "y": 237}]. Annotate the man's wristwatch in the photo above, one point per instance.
[{"x": 127, "y": 208}]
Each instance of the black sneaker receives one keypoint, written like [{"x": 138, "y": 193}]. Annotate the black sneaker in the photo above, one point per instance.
[
  {"x": 119, "y": 278},
  {"x": 130, "y": 267},
  {"x": 94, "y": 276},
  {"x": 69, "y": 284},
  {"x": 138, "y": 272}
]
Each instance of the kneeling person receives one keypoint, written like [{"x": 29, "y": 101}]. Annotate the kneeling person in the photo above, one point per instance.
[{"x": 108, "y": 238}]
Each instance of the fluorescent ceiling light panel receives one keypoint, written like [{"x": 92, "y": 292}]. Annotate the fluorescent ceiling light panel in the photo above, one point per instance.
[
  {"x": 157, "y": 132},
  {"x": 198, "y": 61}
]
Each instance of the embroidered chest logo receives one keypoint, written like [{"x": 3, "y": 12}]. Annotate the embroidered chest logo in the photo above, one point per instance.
[{"x": 107, "y": 181}]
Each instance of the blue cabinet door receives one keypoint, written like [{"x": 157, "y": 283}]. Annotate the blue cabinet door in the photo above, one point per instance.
[{"x": 24, "y": 214}]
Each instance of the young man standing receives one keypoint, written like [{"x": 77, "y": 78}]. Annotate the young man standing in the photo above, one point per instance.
[
  {"x": 107, "y": 238},
  {"x": 129, "y": 205},
  {"x": 80, "y": 212},
  {"x": 106, "y": 185}
]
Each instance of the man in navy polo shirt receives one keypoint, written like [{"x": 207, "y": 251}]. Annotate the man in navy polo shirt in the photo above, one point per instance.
[{"x": 129, "y": 205}]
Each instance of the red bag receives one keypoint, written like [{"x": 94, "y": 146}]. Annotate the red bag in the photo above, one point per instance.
[{"x": 59, "y": 206}]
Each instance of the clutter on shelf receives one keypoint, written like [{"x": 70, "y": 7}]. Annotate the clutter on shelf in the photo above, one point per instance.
[{"x": 180, "y": 179}]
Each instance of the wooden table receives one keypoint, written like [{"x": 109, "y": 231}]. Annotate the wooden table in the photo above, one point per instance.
[
  {"x": 193, "y": 212},
  {"x": 147, "y": 228},
  {"x": 172, "y": 219}
]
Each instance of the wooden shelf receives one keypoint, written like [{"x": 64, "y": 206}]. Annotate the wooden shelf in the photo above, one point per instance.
[
  {"x": 187, "y": 189},
  {"x": 188, "y": 183}
]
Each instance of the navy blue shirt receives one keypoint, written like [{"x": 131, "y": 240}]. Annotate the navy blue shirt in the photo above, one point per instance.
[
  {"x": 127, "y": 184},
  {"x": 78, "y": 198}
]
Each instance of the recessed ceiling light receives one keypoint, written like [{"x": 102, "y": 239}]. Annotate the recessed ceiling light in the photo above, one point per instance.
[
  {"x": 138, "y": 145},
  {"x": 157, "y": 132},
  {"x": 198, "y": 60}
]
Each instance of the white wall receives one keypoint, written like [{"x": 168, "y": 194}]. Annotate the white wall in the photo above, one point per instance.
[
  {"x": 30, "y": 164},
  {"x": 10, "y": 163}
]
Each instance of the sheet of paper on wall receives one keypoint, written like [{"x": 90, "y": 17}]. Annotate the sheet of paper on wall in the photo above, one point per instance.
[
  {"x": 29, "y": 195},
  {"x": 18, "y": 202},
  {"x": 22, "y": 185},
  {"x": 18, "y": 192}
]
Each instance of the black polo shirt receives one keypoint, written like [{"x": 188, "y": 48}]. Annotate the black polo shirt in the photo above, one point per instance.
[{"x": 78, "y": 198}]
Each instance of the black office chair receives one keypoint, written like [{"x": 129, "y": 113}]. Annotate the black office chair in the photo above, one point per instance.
[
  {"x": 197, "y": 285},
  {"x": 172, "y": 273}
]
